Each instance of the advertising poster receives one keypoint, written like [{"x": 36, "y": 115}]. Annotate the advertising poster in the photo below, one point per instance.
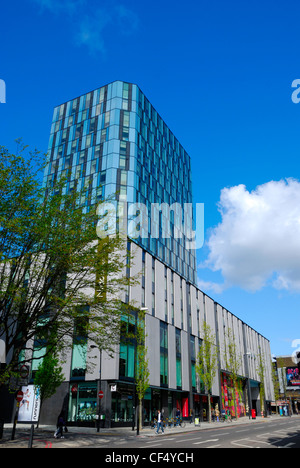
[
  {"x": 292, "y": 377},
  {"x": 228, "y": 396},
  {"x": 30, "y": 405}
]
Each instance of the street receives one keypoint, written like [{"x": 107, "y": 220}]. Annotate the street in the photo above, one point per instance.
[
  {"x": 283, "y": 434},
  {"x": 270, "y": 433}
]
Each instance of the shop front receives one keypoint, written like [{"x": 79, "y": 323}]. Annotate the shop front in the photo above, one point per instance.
[
  {"x": 201, "y": 407},
  {"x": 120, "y": 402},
  {"x": 82, "y": 403},
  {"x": 124, "y": 403}
]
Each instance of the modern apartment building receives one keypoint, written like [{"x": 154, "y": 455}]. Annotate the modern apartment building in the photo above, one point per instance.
[
  {"x": 113, "y": 142},
  {"x": 118, "y": 145}
]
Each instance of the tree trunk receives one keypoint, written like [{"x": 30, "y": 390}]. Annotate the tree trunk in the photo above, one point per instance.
[
  {"x": 209, "y": 408},
  {"x": 140, "y": 414}
]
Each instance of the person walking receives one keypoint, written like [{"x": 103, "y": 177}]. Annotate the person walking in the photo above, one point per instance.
[
  {"x": 177, "y": 417},
  {"x": 60, "y": 425},
  {"x": 217, "y": 412},
  {"x": 159, "y": 422}
]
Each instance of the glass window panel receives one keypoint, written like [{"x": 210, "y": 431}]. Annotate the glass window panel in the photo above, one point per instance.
[{"x": 178, "y": 373}]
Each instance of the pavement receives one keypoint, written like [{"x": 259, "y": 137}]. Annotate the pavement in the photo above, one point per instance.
[{"x": 80, "y": 436}]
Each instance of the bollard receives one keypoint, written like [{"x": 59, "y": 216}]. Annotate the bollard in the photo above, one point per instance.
[{"x": 31, "y": 436}]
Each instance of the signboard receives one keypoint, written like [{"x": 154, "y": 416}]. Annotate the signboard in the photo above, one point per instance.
[
  {"x": 24, "y": 372},
  {"x": 292, "y": 377},
  {"x": 23, "y": 379},
  {"x": 29, "y": 408},
  {"x": 19, "y": 396}
]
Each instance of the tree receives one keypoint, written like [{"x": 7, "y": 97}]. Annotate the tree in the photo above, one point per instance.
[
  {"x": 233, "y": 363},
  {"x": 207, "y": 362},
  {"x": 54, "y": 271},
  {"x": 276, "y": 384},
  {"x": 141, "y": 371},
  {"x": 261, "y": 374},
  {"x": 49, "y": 376}
]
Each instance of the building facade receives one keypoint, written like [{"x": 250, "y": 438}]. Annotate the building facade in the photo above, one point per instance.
[
  {"x": 113, "y": 142},
  {"x": 287, "y": 370},
  {"x": 116, "y": 143},
  {"x": 174, "y": 328}
]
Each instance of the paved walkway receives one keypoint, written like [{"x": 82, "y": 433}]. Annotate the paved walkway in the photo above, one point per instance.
[{"x": 44, "y": 434}]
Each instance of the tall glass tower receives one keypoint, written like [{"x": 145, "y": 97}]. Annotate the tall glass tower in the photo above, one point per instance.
[{"x": 113, "y": 142}]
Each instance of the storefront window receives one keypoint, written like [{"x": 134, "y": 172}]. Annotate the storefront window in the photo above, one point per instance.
[
  {"x": 83, "y": 402},
  {"x": 122, "y": 404}
]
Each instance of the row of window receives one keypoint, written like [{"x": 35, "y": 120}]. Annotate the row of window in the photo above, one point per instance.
[
  {"x": 161, "y": 172},
  {"x": 128, "y": 355}
]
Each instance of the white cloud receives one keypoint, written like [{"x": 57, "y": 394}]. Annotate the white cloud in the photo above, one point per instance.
[
  {"x": 92, "y": 26},
  {"x": 258, "y": 240},
  {"x": 95, "y": 29},
  {"x": 90, "y": 31},
  {"x": 210, "y": 286}
]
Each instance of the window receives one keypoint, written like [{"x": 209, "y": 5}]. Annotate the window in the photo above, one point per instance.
[
  {"x": 127, "y": 355},
  {"x": 78, "y": 367},
  {"x": 124, "y": 125},
  {"x": 193, "y": 361},
  {"x": 106, "y": 119},
  {"x": 104, "y": 135},
  {"x": 163, "y": 354},
  {"x": 126, "y": 119},
  {"x": 128, "y": 346},
  {"x": 123, "y": 178},
  {"x": 178, "y": 359},
  {"x": 92, "y": 125},
  {"x": 125, "y": 90}
]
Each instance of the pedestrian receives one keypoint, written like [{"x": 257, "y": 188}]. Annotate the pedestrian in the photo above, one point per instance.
[
  {"x": 217, "y": 414},
  {"x": 159, "y": 422},
  {"x": 60, "y": 425},
  {"x": 191, "y": 416},
  {"x": 177, "y": 416},
  {"x": 213, "y": 415}
]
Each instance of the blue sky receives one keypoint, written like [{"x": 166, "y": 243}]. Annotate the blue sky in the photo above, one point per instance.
[{"x": 220, "y": 74}]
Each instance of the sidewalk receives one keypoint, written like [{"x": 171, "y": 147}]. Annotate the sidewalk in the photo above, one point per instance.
[{"x": 44, "y": 434}]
